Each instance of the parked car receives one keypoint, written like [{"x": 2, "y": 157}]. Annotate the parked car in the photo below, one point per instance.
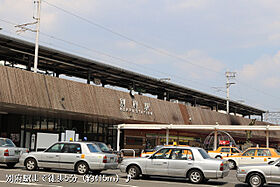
[
  {"x": 224, "y": 151},
  {"x": 259, "y": 174},
  {"x": 254, "y": 155},
  {"x": 81, "y": 157},
  {"x": 9, "y": 153},
  {"x": 188, "y": 162}
]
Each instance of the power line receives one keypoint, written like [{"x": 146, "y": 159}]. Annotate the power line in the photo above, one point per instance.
[
  {"x": 110, "y": 56},
  {"x": 163, "y": 52},
  {"x": 114, "y": 57}
]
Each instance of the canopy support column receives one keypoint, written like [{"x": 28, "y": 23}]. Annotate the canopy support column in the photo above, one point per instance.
[
  {"x": 167, "y": 137},
  {"x": 118, "y": 138},
  {"x": 267, "y": 138},
  {"x": 215, "y": 139}
]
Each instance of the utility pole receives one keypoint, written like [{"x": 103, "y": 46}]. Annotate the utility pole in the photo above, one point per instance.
[
  {"x": 37, "y": 18},
  {"x": 25, "y": 27},
  {"x": 229, "y": 76}
]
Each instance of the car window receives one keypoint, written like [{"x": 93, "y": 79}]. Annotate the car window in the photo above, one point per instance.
[
  {"x": 181, "y": 154},
  {"x": 263, "y": 152},
  {"x": 93, "y": 148},
  {"x": 203, "y": 153},
  {"x": 102, "y": 146},
  {"x": 162, "y": 154},
  {"x": 72, "y": 148},
  {"x": 225, "y": 150},
  {"x": 56, "y": 148},
  {"x": 233, "y": 150},
  {"x": 250, "y": 152},
  {"x": 6, "y": 143}
]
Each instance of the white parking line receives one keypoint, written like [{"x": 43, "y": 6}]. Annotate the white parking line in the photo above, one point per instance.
[{"x": 31, "y": 184}]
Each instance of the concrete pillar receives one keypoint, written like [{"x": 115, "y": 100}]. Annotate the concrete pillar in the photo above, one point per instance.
[
  {"x": 118, "y": 139},
  {"x": 267, "y": 138},
  {"x": 215, "y": 140},
  {"x": 167, "y": 137}
]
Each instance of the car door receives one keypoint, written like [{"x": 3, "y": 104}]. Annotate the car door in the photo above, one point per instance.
[
  {"x": 225, "y": 151},
  {"x": 263, "y": 156},
  {"x": 248, "y": 157},
  {"x": 180, "y": 161},
  {"x": 234, "y": 151},
  {"x": 51, "y": 157},
  {"x": 70, "y": 154},
  {"x": 157, "y": 164},
  {"x": 275, "y": 172}
]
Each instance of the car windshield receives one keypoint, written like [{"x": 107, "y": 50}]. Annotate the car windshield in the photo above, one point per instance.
[
  {"x": 93, "y": 148},
  {"x": 6, "y": 143},
  {"x": 203, "y": 153},
  {"x": 103, "y": 147}
]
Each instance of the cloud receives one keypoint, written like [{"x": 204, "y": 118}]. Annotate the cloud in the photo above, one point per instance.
[
  {"x": 264, "y": 70},
  {"x": 201, "y": 65},
  {"x": 183, "y": 5}
]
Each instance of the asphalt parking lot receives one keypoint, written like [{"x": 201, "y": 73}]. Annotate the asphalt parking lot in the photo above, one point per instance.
[{"x": 55, "y": 178}]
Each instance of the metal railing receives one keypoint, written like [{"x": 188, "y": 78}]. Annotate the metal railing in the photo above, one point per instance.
[{"x": 132, "y": 150}]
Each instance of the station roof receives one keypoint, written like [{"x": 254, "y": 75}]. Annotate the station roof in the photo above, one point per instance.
[{"x": 21, "y": 52}]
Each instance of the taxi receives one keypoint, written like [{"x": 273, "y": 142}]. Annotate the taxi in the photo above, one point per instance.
[
  {"x": 224, "y": 151},
  {"x": 253, "y": 155}
]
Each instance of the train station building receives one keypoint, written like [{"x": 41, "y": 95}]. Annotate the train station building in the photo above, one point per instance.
[{"x": 47, "y": 102}]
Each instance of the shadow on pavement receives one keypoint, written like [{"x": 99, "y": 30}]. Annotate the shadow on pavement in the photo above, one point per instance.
[{"x": 178, "y": 180}]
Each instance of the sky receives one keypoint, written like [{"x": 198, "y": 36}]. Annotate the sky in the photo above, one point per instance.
[{"x": 192, "y": 42}]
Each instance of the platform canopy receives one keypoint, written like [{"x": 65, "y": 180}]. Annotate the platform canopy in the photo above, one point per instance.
[
  {"x": 16, "y": 51},
  {"x": 214, "y": 128}
]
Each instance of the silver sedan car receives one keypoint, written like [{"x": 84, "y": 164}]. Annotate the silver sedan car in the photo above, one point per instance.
[
  {"x": 256, "y": 175},
  {"x": 188, "y": 162},
  {"x": 78, "y": 156},
  {"x": 9, "y": 153}
]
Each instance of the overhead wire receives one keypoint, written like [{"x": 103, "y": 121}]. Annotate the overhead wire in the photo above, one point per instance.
[
  {"x": 99, "y": 52},
  {"x": 163, "y": 52}
]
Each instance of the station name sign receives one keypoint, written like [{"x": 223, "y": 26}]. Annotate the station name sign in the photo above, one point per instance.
[{"x": 135, "y": 107}]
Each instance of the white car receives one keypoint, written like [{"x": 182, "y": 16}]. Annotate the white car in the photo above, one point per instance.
[
  {"x": 81, "y": 157},
  {"x": 188, "y": 162},
  {"x": 9, "y": 153}
]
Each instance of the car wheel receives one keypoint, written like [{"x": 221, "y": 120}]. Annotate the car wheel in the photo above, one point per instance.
[
  {"x": 82, "y": 168},
  {"x": 196, "y": 176},
  {"x": 11, "y": 165},
  {"x": 231, "y": 164},
  {"x": 31, "y": 164},
  {"x": 255, "y": 180},
  {"x": 134, "y": 172},
  {"x": 218, "y": 157}
]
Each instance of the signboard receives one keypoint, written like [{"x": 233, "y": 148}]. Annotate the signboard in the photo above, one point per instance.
[
  {"x": 45, "y": 140},
  {"x": 135, "y": 108}
]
